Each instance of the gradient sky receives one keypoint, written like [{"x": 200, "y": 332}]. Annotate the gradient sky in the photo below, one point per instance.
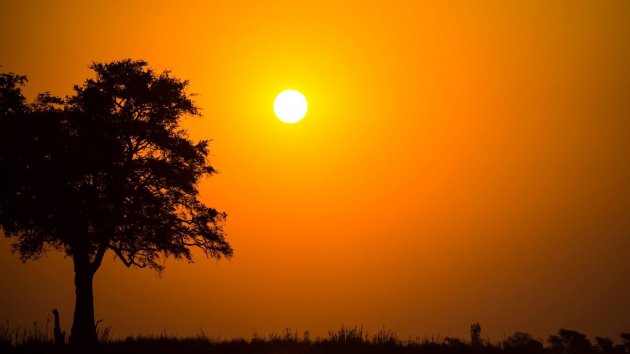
[{"x": 461, "y": 161}]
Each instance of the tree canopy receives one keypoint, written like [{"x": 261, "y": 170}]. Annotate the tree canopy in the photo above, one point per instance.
[{"x": 107, "y": 168}]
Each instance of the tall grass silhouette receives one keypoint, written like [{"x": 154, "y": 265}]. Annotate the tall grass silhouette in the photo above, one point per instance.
[{"x": 38, "y": 338}]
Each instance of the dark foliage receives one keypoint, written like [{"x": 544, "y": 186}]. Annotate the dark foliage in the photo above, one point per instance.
[
  {"x": 475, "y": 335},
  {"x": 569, "y": 341},
  {"x": 344, "y": 340},
  {"x": 106, "y": 169},
  {"x": 522, "y": 343}
]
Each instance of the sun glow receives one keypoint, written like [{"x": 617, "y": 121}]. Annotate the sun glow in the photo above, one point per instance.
[{"x": 290, "y": 106}]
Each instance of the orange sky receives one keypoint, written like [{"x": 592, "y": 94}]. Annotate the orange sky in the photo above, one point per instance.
[{"x": 461, "y": 161}]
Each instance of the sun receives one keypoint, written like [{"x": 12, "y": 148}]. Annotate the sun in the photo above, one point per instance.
[{"x": 290, "y": 106}]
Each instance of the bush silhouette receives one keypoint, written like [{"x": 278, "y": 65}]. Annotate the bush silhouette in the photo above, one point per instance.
[
  {"x": 522, "y": 343},
  {"x": 569, "y": 342}
]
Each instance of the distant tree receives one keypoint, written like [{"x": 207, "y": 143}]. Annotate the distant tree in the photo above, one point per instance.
[
  {"x": 569, "y": 342},
  {"x": 604, "y": 345},
  {"x": 625, "y": 341},
  {"x": 475, "y": 335},
  {"x": 106, "y": 169},
  {"x": 522, "y": 343},
  {"x": 11, "y": 98}
]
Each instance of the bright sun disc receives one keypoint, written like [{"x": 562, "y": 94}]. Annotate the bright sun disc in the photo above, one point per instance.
[{"x": 290, "y": 106}]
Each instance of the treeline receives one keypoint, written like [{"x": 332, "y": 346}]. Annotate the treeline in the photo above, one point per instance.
[{"x": 344, "y": 340}]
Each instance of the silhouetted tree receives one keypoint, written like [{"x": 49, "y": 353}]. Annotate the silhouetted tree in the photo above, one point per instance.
[
  {"x": 570, "y": 342},
  {"x": 604, "y": 345},
  {"x": 106, "y": 169},
  {"x": 522, "y": 343},
  {"x": 475, "y": 335},
  {"x": 11, "y": 98},
  {"x": 625, "y": 341}
]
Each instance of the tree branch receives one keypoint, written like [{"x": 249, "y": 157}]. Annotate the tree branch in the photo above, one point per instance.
[
  {"x": 127, "y": 262},
  {"x": 122, "y": 257},
  {"x": 98, "y": 258}
]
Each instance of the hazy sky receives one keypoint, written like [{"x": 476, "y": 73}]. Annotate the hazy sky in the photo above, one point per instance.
[{"x": 461, "y": 161}]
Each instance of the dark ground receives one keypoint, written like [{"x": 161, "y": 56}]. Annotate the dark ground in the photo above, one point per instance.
[{"x": 344, "y": 340}]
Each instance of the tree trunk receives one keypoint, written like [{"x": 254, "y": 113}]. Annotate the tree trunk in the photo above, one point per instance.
[{"x": 83, "y": 331}]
